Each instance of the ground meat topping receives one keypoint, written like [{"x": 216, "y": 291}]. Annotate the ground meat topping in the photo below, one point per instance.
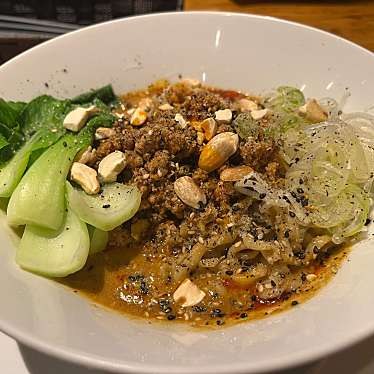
[{"x": 171, "y": 241}]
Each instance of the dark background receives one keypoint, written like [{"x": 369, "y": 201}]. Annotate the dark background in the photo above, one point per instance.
[
  {"x": 78, "y": 12},
  {"x": 83, "y": 12}
]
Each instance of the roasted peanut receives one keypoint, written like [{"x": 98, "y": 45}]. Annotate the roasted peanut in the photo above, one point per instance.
[
  {"x": 188, "y": 294},
  {"x": 313, "y": 111},
  {"x": 139, "y": 117},
  {"x": 112, "y": 165},
  {"x": 235, "y": 174},
  {"x": 86, "y": 177},
  {"x": 104, "y": 133},
  {"x": 247, "y": 105},
  {"x": 209, "y": 127},
  {"x": 218, "y": 151},
  {"x": 189, "y": 192}
]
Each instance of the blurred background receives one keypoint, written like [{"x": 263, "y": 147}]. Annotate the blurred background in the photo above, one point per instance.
[{"x": 25, "y": 23}]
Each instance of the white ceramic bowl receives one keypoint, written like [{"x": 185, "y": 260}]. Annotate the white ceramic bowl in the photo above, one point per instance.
[{"x": 228, "y": 50}]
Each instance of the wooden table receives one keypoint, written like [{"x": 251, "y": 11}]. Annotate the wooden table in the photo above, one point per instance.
[{"x": 353, "y": 20}]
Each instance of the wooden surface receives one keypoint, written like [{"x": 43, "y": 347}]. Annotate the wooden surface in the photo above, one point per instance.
[{"x": 353, "y": 20}]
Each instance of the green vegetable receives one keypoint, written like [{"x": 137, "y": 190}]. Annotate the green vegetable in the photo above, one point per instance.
[
  {"x": 9, "y": 114},
  {"x": 41, "y": 151},
  {"x": 290, "y": 121},
  {"x": 98, "y": 238},
  {"x": 12, "y": 172},
  {"x": 45, "y": 115},
  {"x": 17, "y": 106},
  {"x": 105, "y": 94},
  {"x": 11, "y": 136},
  {"x": 246, "y": 126},
  {"x": 288, "y": 99},
  {"x": 39, "y": 198},
  {"x": 331, "y": 164},
  {"x": 102, "y": 119},
  {"x": 115, "y": 205},
  {"x": 3, "y": 141},
  {"x": 347, "y": 213},
  {"x": 55, "y": 253}
]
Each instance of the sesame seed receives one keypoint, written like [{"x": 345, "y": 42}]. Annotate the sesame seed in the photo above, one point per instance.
[{"x": 311, "y": 277}]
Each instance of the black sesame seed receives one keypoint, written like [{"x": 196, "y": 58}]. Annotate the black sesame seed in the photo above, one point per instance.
[
  {"x": 287, "y": 234},
  {"x": 294, "y": 303},
  {"x": 229, "y": 272},
  {"x": 262, "y": 195},
  {"x": 171, "y": 317},
  {"x": 217, "y": 313},
  {"x": 199, "y": 309},
  {"x": 143, "y": 288},
  {"x": 367, "y": 222},
  {"x": 292, "y": 214},
  {"x": 105, "y": 206},
  {"x": 300, "y": 255},
  {"x": 273, "y": 283},
  {"x": 243, "y": 315},
  {"x": 285, "y": 198}
]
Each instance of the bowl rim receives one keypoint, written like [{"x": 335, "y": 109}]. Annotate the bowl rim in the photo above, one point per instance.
[{"x": 95, "y": 362}]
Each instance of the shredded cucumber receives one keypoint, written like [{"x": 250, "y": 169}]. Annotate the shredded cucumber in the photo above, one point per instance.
[
  {"x": 328, "y": 163},
  {"x": 55, "y": 253},
  {"x": 115, "y": 205}
]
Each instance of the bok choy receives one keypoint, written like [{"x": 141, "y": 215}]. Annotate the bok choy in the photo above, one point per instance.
[
  {"x": 36, "y": 154},
  {"x": 55, "y": 253}
]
